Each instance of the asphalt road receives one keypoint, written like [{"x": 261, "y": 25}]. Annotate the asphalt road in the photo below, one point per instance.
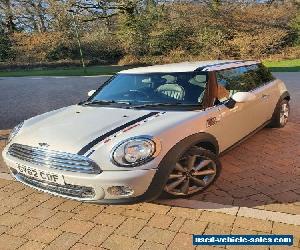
[{"x": 24, "y": 97}]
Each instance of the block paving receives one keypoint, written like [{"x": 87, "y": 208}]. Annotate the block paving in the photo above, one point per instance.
[{"x": 33, "y": 220}]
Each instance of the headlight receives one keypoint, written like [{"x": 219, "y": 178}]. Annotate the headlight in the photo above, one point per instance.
[
  {"x": 14, "y": 131},
  {"x": 135, "y": 151}
]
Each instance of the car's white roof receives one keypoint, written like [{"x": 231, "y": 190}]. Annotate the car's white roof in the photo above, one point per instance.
[{"x": 189, "y": 66}]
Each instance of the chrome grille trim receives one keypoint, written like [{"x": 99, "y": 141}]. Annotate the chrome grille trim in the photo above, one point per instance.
[
  {"x": 72, "y": 191},
  {"x": 54, "y": 159}
]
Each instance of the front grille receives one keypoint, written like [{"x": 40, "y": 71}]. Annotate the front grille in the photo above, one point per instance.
[
  {"x": 54, "y": 159},
  {"x": 72, "y": 191}
]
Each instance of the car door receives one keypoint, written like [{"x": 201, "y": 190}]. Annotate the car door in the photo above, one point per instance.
[
  {"x": 233, "y": 122},
  {"x": 265, "y": 90}
]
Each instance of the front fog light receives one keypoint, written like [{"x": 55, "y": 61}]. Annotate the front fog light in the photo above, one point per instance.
[
  {"x": 89, "y": 193},
  {"x": 120, "y": 190}
]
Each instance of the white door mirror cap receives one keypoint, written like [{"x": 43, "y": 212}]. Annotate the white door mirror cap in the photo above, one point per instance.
[
  {"x": 91, "y": 92},
  {"x": 243, "y": 97}
]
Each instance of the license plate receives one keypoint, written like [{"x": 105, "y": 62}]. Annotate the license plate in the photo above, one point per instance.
[{"x": 41, "y": 174}]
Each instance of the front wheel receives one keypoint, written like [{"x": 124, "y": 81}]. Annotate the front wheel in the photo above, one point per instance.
[{"x": 197, "y": 169}]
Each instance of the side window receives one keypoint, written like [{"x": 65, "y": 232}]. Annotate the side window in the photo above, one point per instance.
[
  {"x": 229, "y": 82},
  {"x": 251, "y": 78},
  {"x": 264, "y": 74},
  {"x": 239, "y": 79}
]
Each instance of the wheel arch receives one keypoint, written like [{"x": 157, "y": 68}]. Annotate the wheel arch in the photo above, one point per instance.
[
  {"x": 201, "y": 139},
  {"x": 209, "y": 146},
  {"x": 285, "y": 96}
]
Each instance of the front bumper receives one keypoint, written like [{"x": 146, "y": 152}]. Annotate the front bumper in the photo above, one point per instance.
[{"x": 78, "y": 185}]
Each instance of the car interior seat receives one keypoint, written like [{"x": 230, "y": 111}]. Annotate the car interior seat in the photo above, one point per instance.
[
  {"x": 200, "y": 81},
  {"x": 171, "y": 88}
]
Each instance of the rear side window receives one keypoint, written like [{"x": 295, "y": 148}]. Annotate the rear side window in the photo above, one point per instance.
[
  {"x": 264, "y": 74},
  {"x": 245, "y": 78},
  {"x": 231, "y": 81}
]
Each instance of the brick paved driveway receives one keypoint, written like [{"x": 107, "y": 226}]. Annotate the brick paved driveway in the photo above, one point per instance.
[{"x": 32, "y": 220}]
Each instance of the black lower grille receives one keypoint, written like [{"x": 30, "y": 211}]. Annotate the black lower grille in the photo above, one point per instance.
[{"x": 72, "y": 191}]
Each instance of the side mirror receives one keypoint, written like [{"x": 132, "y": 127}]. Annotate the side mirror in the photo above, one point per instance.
[
  {"x": 243, "y": 97},
  {"x": 91, "y": 92}
]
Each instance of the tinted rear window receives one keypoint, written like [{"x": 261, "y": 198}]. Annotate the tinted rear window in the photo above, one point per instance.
[
  {"x": 264, "y": 73},
  {"x": 245, "y": 78}
]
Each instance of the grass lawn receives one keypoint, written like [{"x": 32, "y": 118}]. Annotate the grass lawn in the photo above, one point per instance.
[
  {"x": 275, "y": 66},
  {"x": 284, "y": 66}
]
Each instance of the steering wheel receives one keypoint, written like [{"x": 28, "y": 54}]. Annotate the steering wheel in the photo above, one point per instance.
[{"x": 138, "y": 92}]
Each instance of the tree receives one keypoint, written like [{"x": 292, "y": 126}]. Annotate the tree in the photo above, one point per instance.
[
  {"x": 59, "y": 16},
  {"x": 7, "y": 15},
  {"x": 31, "y": 15},
  {"x": 97, "y": 9},
  {"x": 5, "y": 46}
]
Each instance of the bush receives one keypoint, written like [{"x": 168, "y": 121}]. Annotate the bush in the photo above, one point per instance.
[
  {"x": 97, "y": 47},
  {"x": 101, "y": 46},
  {"x": 167, "y": 38},
  {"x": 61, "y": 51},
  {"x": 40, "y": 47}
]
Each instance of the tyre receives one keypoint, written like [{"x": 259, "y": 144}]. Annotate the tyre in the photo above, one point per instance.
[
  {"x": 281, "y": 115},
  {"x": 195, "y": 171}
]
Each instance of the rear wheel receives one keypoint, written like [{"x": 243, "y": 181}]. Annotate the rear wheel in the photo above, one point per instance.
[
  {"x": 281, "y": 115},
  {"x": 196, "y": 170}
]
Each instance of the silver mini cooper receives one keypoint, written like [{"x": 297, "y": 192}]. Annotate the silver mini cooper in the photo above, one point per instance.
[{"x": 147, "y": 132}]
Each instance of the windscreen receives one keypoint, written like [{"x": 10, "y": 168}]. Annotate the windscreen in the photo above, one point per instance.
[{"x": 169, "y": 88}]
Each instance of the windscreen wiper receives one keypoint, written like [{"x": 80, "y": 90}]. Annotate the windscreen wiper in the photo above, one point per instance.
[
  {"x": 167, "y": 104},
  {"x": 104, "y": 102}
]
